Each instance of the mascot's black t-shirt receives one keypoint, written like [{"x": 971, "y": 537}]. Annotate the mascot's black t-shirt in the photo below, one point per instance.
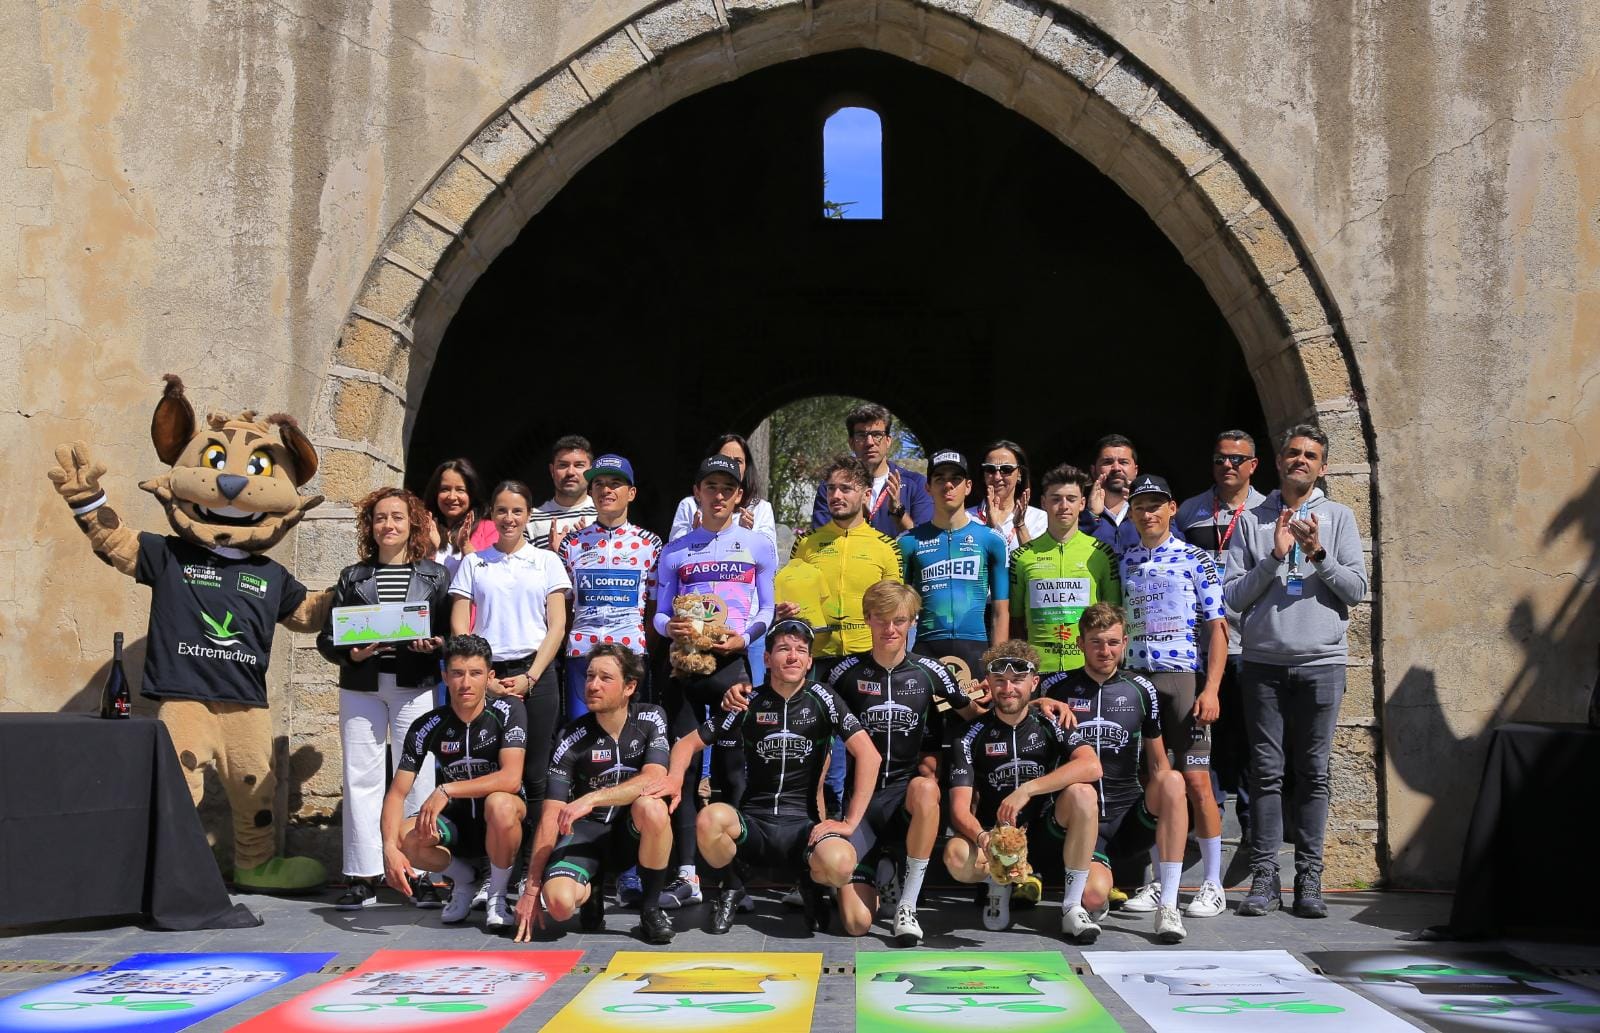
[{"x": 211, "y": 621}]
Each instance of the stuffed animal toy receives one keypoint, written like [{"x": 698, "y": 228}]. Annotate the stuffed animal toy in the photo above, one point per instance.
[
  {"x": 232, "y": 493},
  {"x": 1008, "y": 855},
  {"x": 710, "y": 618}
]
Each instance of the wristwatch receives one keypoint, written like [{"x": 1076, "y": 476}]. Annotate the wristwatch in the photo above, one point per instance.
[{"x": 1319, "y": 556}]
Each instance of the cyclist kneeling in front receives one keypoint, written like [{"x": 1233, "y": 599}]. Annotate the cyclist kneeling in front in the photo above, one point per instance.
[{"x": 616, "y": 756}]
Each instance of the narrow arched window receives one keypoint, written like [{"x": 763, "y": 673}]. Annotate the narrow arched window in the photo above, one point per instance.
[{"x": 852, "y": 165}]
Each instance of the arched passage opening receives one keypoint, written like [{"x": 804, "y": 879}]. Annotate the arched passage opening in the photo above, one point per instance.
[
  {"x": 1040, "y": 61},
  {"x": 683, "y": 282}
]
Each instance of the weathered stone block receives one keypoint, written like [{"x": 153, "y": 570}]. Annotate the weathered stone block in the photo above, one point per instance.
[
  {"x": 1146, "y": 173},
  {"x": 609, "y": 62},
  {"x": 371, "y": 346},
  {"x": 1051, "y": 101},
  {"x": 1300, "y": 303},
  {"x": 419, "y": 241},
  {"x": 1355, "y": 491},
  {"x": 1359, "y": 695},
  {"x": 1176, "y": 135},
  {"x": 959, "y": 8},
  {"x": 900, "y": 12},
  {"x": 990, "y": 80},
  {"x": 1125, "y": 88},
  {"x": 1071, "y": 51},
  {"x": 1326, "y": 367},
  {"x": 900, "y": 40},
  {"x": 754, "y": 22},
  {"x": 949, "y": 35},
  {"x": 1229, "y": 279},
  {"x": 666, "y": 28},
  {"x": 1015, "y": 19},
  {"x": 458, "y": 192},
  {"x": 549, "y": 105},
  {"x": 502, "y": 146},
  {"x": 1264, "y": 241},
  {"x": 347, "y": 476},
  {"x": 1225, "y": 189},
  {"x": 1188, "y": 221},
  {"x": 1099, "y": 133},
  {"x": 391, "y": 292},
  {"x": 832, "y": 17},
  {"x": 354, "y": 405},
  {"x": 1346, "y": 443},
  {"x": 1360, "y": 630},
  {"x": 581, "y": 139}
]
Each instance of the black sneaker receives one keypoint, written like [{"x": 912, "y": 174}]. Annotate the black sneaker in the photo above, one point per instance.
[
  {"x": 592, "y": 912},
  {"x": 1308, "y": 901},
  {"x": 723, "y": 904},
  {"x": 654, "y": 926},
  {"x": 816, "y": 905},
  {"x": 1266, "y": 892},
  {"x": 360, "y": 894},
  {"x": 425, "y": 894}
]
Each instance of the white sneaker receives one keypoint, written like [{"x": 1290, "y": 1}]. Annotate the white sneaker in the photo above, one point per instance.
[
  {"x": 794, "y": 898},
  {"x": 888, "y": 880},
  {"x": 460, "y": 904},
  {"x": 1169, "y": 925},
  {"x": 1099, "y": 914},
  {"x": 497, "y": 912},
  {"x": 1210, "y": 902},
  {"x": 907, "y": 930},
  {"x": 1146, "y": 900},
  {"x": 1077, "y": 926},
  {"x": 480, "y": 898},
  {"x": 997, "y": 910}
]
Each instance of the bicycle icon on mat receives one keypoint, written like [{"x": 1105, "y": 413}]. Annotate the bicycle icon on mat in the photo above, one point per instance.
[
  {"x": 119, "y": 1001},
  {"x": 350, "y": 1007},
  {"x": 1499, "y": 1006},
  {"x": 1235, "y": 1005},
  {"x": 1020, "y": 1007},
  {"x": 722, "y": 1007}
]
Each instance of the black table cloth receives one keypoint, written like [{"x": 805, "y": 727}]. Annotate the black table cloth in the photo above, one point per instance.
[
  {"x": 1530, "y": 833},
  {"x": 96, "y": 821}
]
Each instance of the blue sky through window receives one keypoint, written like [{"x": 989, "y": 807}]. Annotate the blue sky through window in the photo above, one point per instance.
[{"x": 852, "y": 161}]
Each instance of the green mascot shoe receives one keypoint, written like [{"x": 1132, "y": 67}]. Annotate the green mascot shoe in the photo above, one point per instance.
[{"x": 282, "y": 875}]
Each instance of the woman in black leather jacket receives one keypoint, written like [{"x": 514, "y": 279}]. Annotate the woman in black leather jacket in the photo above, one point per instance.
[{"x": 384, "y": 687}]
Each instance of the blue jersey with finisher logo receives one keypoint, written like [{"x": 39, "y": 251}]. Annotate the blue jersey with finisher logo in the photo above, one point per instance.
[{"x": 957, "y": 572}]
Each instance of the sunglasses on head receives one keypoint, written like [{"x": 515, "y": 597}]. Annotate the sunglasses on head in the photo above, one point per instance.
[
  {"x": 1011, "y": 665},
  {"x": 1003, "y": 469},
  {"x": 1234, "y": 461}
]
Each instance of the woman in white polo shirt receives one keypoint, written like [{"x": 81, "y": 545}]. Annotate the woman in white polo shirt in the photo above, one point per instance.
[{"x": 513, "y": 595}]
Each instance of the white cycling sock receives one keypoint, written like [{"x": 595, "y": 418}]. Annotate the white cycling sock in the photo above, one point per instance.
[
  {"x": 463, "y": 875},
  {"x": 1171, "y": 875},
  {"x": 911, "y": 888},
  {"x": 686, "y": 871},
  {"x": 1077, "y": 879},
  {"x": 1155, "y": 864},
  {"x": 1211, "y": 856},
  {"x": 498, "y": 878}
]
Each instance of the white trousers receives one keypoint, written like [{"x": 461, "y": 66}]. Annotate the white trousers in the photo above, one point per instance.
[{"x": 367, "y": 722}]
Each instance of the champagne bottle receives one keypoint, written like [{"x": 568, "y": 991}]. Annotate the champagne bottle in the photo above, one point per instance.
[{"x": 114, "y": 701}]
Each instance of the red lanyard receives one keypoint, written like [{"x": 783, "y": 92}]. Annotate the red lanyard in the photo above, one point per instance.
[
  {"x": 1216, "y": 510},
  {"x": 883, "y": 497}
]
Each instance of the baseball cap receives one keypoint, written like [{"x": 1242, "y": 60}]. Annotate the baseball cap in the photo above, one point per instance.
[
  {"x": 718, "y": 464},
  {"x": 790, "y": 626},
  {"x": 949, "y": 458},
  {"x": 611, "y": 466},
  {"x": 1148, "y": 484}
]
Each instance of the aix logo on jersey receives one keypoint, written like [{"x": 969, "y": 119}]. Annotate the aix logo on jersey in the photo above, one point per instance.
[
  {"x": 1080, "y": 706},
  {"x": 784, "y": 746},
  {"x": 449, "y": 746},
  {"x": 996, "y": 749},
  {"x": 891, "y": 717},
  {"x": 1013, "y": 773},
  {"x": 869, "y": 688},
  {"x": 1108, "y": 735},
  {"x": 959, "y": 568},
  {"x": 768, "y": 717},
  {"x": 600, "y": 756}
]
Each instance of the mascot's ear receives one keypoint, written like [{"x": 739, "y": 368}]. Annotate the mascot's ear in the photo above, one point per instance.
[
  {"x": 305, "y": 455},
  {"x": 173, "y": 423}
]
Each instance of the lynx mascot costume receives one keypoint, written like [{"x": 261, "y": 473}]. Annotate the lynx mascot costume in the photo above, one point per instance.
[{"x": 215, "y": 600}]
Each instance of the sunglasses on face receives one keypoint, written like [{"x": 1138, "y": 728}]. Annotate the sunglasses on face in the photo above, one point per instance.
[
  {"x": 1010, "y": 665},
  {"x": 1234, "y": 461},
  {"x": 1003, "y": 469}
]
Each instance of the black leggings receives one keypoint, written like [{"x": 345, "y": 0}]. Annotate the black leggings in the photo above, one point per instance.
[
  {"x": 686, "y": 700},
  {"x": 543, "y": 703}
]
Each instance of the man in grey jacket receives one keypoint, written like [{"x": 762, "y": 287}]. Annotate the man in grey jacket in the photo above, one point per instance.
[{"x": 1294, "y": 569}]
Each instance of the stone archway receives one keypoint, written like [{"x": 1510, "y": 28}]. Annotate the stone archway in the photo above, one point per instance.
[{"x": 1042, "y": 61}]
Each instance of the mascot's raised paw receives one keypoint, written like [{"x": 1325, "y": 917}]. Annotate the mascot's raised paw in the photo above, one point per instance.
[{"x": 76, "y": 476}]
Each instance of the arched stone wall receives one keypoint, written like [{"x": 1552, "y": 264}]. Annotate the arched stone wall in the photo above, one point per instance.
[{"x": 1042, "y": 61}]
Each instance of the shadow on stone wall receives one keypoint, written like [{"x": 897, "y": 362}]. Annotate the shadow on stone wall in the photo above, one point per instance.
[{"x": 1555, "y": 680}]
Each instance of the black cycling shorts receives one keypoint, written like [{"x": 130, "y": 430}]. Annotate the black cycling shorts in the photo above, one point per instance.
[
  {"x": 463, "y": 833},
  {"x": 776, "y": 842},
  {"x": 1128, "y": 828},
  {"x": 592, "y": 848},
  {"x": 882, "y": 830}
]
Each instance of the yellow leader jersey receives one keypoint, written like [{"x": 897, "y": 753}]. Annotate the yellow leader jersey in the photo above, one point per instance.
[
  {"x": 850, "y": 562},
  {"x": 800, "y": 583},
  {"x": 703, "y": 979}
]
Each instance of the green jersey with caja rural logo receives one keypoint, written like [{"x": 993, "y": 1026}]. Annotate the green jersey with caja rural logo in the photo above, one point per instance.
[
  {"x": 1052, "y": 583},
  {"x": 211, "y": 620}
]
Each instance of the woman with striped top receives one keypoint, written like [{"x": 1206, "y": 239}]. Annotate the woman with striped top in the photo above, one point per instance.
[{"x": 384, "y": 687}]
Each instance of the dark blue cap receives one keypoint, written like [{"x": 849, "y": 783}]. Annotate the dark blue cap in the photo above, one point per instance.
[{"x": 610, "y": 466}]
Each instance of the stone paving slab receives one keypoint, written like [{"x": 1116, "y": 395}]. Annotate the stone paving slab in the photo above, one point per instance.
[{"x": 1361, "y": 920}]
